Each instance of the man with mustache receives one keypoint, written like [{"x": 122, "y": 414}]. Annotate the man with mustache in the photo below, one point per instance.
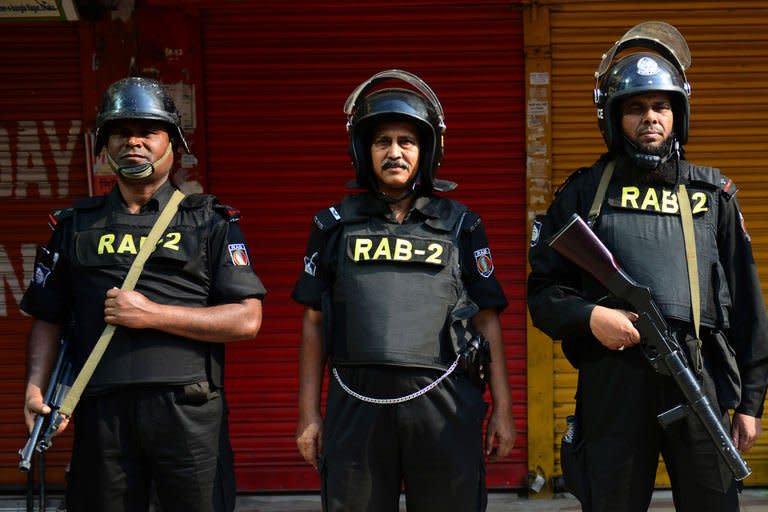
[
  {"x": 154, "y": 410},
  {"x": 396, "y": 280},
  {"x": 632, "y": 198}
]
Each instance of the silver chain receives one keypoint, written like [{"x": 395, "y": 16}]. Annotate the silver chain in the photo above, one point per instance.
[{"x": 399, "y": 400}]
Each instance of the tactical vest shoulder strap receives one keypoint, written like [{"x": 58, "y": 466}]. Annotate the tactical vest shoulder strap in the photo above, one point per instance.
[
  {"x": 352, "y": 208},
  {"x": 194, "y": 201},
  {"x": 59, "y": 216},
  {"x": 445, "y": 214},
  {"x": 88, "y": 203},
  {"x": 575, "y": 174},
  {"x": 712, "y": 177}
]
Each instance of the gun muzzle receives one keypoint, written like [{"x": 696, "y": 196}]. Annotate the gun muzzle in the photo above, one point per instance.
[{"x": 26, "y": 453}]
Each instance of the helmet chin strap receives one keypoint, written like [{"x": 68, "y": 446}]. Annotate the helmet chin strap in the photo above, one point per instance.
[
  {"x": 405, "y": 195},
  {"x": 394, "y": 200},
  {"x": 143, "y": 170},
  {"x": 648, "y": 161}
]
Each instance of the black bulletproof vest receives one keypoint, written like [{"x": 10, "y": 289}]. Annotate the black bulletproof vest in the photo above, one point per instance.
[
  {"x": 641, "y": 226},
  {"x": 103, "y": 247},
  {"x": 398, "y": 297}
]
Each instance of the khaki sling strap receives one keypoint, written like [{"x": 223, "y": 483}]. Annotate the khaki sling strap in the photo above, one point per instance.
[
  {"x": 73, "y": 397},
  {"x": 688, "y": 235},
  {"x": 597, "y": 203},
  {"x": 690, "y": 253}
]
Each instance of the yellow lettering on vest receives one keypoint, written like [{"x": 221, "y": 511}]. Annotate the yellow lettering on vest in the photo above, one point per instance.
[
  {"x": 629, "y": 196},
  {"x": 651, "y": 199},
  {"x": 403, "y": 250},
  {"x": 668, "y": 202},
  {"x": 435, "y": 251},
  {"x": 172, "y": 240},
  {"x": 383, "y": 250},
  {"x": 127, "y": 245},
  {"x": 362, "y": 249},
  {"x": 105, "y": 244},
  {"x": 700, "y": 202}
]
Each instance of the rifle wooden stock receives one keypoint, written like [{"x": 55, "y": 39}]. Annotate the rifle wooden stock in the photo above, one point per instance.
[{"x": 577, "y": 243}]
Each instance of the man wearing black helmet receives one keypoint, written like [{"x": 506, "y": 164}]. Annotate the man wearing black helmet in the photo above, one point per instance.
[
  {"x": 698, "y": 265},
  {"x": 154, "y": 409},
  {"x": 396, "y": 280}
]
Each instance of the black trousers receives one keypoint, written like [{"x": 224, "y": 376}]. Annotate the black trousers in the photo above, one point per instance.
[
  {"x": 618, "y": 398},
  {"x": 174, "y": 437},
  {"x": 432, "y": 444}
]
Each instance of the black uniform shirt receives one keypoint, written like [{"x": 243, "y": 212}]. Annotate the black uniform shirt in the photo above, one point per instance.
[
  {"x": 201, "y": 260},
  {"x": 477, "y": 267}
]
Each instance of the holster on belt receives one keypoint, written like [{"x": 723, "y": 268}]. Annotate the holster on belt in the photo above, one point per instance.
[{"x": 475, "y": 360}]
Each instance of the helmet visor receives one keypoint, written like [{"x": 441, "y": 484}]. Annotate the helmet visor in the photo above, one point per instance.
[{"x": 654, "y": 35}]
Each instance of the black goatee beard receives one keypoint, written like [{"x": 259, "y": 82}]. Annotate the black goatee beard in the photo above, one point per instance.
[{"x": 666, "y": 172}]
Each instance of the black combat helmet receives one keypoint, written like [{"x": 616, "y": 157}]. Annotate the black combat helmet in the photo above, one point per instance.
[
  {"x": 138, "y": 98},
  {"x": 421, "y": 107},
  {"x": 640, "y": 73},
  {"x": 658, "y": 63}
]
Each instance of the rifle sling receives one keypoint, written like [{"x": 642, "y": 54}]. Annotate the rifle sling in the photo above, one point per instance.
[
  {"x": 690, "y": 254},
  {"x": 78, "y": 386},
  {"x": 597, "y": 202}
]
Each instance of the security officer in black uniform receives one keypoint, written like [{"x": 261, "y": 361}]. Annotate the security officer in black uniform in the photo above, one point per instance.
[
  {"x": 395, "y": 279},
  {"x": 154, "y": 410},
  {"x": 643, "y": 113}
]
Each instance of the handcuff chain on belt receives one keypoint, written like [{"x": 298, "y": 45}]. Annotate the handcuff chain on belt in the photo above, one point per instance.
[{"x": 399, "y": 400}]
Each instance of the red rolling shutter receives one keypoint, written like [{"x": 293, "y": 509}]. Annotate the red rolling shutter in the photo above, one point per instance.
[
  {"x": 42, "y": 167},
  {"x": 275, "y": 80}
]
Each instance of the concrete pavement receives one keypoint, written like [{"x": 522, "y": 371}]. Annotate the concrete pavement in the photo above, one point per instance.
[{"x": 752, "y": 500}]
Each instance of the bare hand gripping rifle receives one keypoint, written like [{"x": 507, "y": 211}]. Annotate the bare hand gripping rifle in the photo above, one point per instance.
[
  {"x": 576, "y": 242},
  {"x": 58, "y": 386}
]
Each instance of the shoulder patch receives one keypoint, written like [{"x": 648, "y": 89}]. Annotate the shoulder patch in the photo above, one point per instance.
[
  {"x": 484, "y": 262},
  {"x": 328, "y": 218}
]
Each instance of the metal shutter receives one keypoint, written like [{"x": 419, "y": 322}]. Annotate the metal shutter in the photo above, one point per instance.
[
  {"x": 276, "y": 76},
  {"x": 42, "y": 167}
]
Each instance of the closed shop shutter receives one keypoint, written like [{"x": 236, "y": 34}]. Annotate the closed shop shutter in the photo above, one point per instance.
[
  {"x": 729, "y": 117},
  {"x": 42, "y": 167},
  {"x": 276, "y": 76}
]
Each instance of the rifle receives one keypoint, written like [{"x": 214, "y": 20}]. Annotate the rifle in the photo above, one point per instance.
[
  {"x": 576, "y": 242},
  {"x": 58, "y": 386}
]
